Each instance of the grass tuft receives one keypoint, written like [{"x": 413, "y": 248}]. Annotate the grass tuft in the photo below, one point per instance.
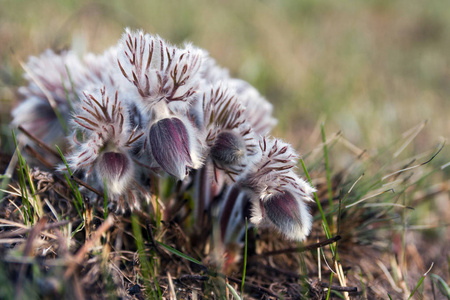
[
  {"x": 73, "y": 187},
  {"x": 148, "y": 272}
]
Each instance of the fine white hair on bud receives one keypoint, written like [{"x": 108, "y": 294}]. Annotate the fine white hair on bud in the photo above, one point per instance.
[
  {"x": 102, "y": 70},
  {"x": 229, "y": 136},
  {"x": 279, "y": 194},
  {"x": 56, "y": 82},
  {"x": 158, "y": 70},
  {"x": 228, "y": 148},
  {"x": 258, "y": 111},
  {"x": 213, "y": 73},
  {"x": 284, "y": 212},
  {"x": 50, "y": 79},
  {"x": 174, "y": 145},
  {"x": 106, "y": 138}
]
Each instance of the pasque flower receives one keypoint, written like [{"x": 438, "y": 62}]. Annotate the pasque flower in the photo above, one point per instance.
[
  {"x": 279, "y": 195},
  {"x": 106, "y": 138},
  {"x": 258, "y": 111},
  {"x": 55, "y": 82},
  {"x": 166, "y": 79},
  {"x": 147, "y": 106},
  {"x": 47, "y": 93},
  {"x": 158, "y": 70},
  {"x": 228, "y": 134}
]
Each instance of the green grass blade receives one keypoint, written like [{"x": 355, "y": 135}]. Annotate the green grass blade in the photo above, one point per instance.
[
  {"x": 158, "y": 210},
  {"x": 181, "y": 254},
  {"x": 324, "y": 219},
  {"x": 32, "y": 188},
  {"x": 329, "y": 288},
  {"x": 72, "y": 86},
  {"x": 442, "y": 285},
  {"x": 245, "y": 259},
  {"x": 78, "y": 229},
  {"x": 105, "y": 200},
  {"x": 420, "y": 281},
  {"x": 22, "y": 182},
  {"x": 77, "y": 206},
  {"x": 327, "y": 168},
  {"x": 338, "y": 294},
  {"x": 73, "y": 186},
  {"x": 147, "y": 267},
  {"x": 233, "y": 291}
]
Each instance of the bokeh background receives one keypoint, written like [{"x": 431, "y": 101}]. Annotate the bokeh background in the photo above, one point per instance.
[{"x": 370, "y": 70}]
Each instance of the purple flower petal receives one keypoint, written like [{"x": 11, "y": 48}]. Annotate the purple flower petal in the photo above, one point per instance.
[
  {"x": 169, "y": 142},
  {"x": 288, "y": 214},
  {"x": 114, "y": 165},
  {"x": 228, "y": 148}
]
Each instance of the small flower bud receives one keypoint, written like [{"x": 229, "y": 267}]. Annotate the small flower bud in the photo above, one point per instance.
[
  {"x": 228, "y": 149},
  {"x": 289, "y": 215},
  {"x": 279, "y": 194},
  {"x": 106, "y": 138},
  {"x": 169, "y": 142},
  {"x": 114, "y": 164},
  {"x": 115, "y": 169},
  {"x": 227, "y": 133}
]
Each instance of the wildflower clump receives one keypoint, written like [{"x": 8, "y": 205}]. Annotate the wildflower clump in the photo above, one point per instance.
[{"x": 146, "y": 110}]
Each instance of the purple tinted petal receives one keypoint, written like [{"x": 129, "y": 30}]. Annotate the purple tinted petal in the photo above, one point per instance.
[
  {"x": 228, "y": 148},
  {"x": 284, "y": 211},
  {"x": 114, "y": 164},
  {"x": 38, "y": 118},
  {"x": 169, "y": 142}
]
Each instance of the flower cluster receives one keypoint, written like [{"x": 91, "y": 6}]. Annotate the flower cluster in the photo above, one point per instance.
[{"x": 147, "y": 107}]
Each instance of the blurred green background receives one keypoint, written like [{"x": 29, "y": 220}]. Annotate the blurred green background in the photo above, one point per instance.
[{"x": 372, "y": 69}]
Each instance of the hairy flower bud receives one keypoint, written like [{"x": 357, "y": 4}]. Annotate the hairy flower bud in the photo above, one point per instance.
[
  {"x": 102, "y": 148},
  {"x": 228, "y": 149},
  {"x": 227, "y": 133},
  {"x": 160, "y": 71},
  {"x": 169, "y": 142},
  {"x": 115, "y": 169},
  {"x": 279, "y": 195},
  {"x": 114, "y": 164},
  {"x": 288, "y": 214}
]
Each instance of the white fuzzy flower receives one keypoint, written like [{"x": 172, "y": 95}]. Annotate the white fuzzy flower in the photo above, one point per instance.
[
  {"x": 228, "y": 134},
  {"x": 173, "y": 109},
  {"x": 50, "y": 79},
  {"x": 160, "y": 71},
  {"x": 258, "y": 111},
  {"x": 212, "y": 73},
  {"x": 55, "y": 83},
  {"x": 103, "y": 152},
  {"x": 167, "y": 79},
  {"x": 279, "y": 195},
  {"x": 174, "y": 146}
]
